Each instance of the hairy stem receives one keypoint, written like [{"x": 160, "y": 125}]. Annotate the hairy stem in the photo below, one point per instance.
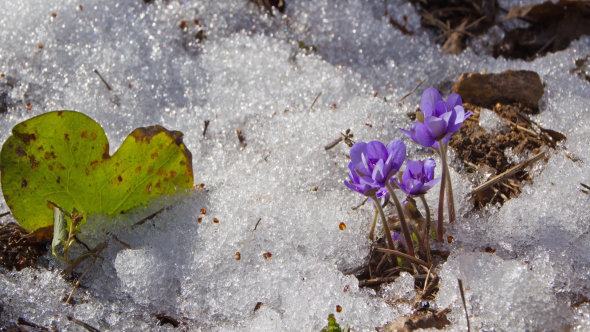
[
  {"x": 450, "y": 196},
  {"x": 426, "y": 236},
  {"x": 385, "y": 229},
  {"x": 441, "y": 198},
  {"x": 402, "y": 220}
]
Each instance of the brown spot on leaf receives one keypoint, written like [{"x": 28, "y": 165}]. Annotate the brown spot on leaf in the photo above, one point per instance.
[
  {"x": 47, "y": 156},
  {"x": 87, "y": 171},
  {"x": 50, "y": 167},
  {"x": 150, "y": 169},
  {"x": 158, "y": 184},
  {"x": 34, "y": 163},
  {"x": 58, "y": 179},
  {"x": 92, "y": 135},
  {"x": 182, "y": 163},
  {"x": 160, "y": 171},
  {"x": 148, "y": 188},
  {"x": 60, "y": 113},
  {"x": 21, "y": 152},
  {"x": 138, "y": 169},
  {"x": 24, "y": 183},
  {"x": 26, "y": 138},
  {"x": 154, "y": 155},
  {"x": 67, "y": 137},
  {"x": 105, "y": 152},
  {"x": 120, "y": 178},
  {"x": 94, "y": 163},
  {"x": 10, "y": 145},
  {"x": 172, "y": 174},
  {"x": 84, "y": 134}
]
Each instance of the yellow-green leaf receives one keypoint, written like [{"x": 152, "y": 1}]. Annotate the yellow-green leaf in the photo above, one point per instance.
[{"x": 64, "y": 157}]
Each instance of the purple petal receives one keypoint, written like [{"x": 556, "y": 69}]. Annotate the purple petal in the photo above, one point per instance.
[
  {"x": 378, "y": 172},
  {"x": 436, "y": 126},
  {"x": 439, "y": 109},
  {"x": 429, "y": 166},
  {"x": 428, "y": 185},
  {"x": 423, "y": 136},
  {"x": 356, "y": 157},
  {"x": 449, "y": 118},
  {"x": 376, "y": 150},
  {"x": 415, "y": 187},
  {"x": 403, "y": 188},
  {"x": 414, "y": 168},
  {"x": 455, "y": 124},
  {"x": 453, "y": 100},
  {"x": 429, "y": 99},
  {"x": 397, "y": 153}
]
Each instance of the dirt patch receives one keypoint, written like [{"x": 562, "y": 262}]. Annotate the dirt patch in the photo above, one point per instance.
[{"x": 490, "y": 152}]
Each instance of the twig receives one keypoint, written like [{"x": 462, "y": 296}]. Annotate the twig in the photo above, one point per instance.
[
  {"x": 22, "y": 321},
  {"x": 205, "y": 128},
  {"x": 508, "y": 173},
  {"x": 403, "y": 255},
  {"x": 102, "y": 79},
  {"x": 316, "y": 99},
  {"x": 102, "y": 246},
  {"x": 585, "y": 186},
  {"x": 358, "y": 206},
  {"x": 409, "y": 93},
  {"x": 464, "y": 303},
  {"x": 4, "y": 214},
  {"x": 334, "y": 143},
  {"x": 81, "y": 323},
  {"x": 427, "y": 275},
  {"x": 376, "y": 281},
  {"x": 258, "y": 222},
  {"x": 152, "y": 216}
]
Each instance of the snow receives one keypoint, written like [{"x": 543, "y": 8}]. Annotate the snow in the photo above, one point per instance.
[{"x": 250, "y": 74}]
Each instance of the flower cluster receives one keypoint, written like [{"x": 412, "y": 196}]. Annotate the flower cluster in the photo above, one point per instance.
[{"x": 374, "y": 169}]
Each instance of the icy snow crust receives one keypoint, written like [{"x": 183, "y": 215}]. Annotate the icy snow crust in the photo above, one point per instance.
[{"x": 250, "y": 74}]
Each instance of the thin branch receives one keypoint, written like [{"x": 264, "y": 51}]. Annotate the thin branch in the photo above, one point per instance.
[
  {"x": 102, "y": 246},
  {"x": 413, "y": 90},
  {"x": 403, "y": 255},
  {"x": 316, "y": 99},
  {"x": 103, "y": 81},
  {"x": 508, "y": 173},
  {"x": 464, "y": 303}
]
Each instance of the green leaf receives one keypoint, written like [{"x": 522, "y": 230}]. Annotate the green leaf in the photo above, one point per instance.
[
  {"x": 332, "y": 325},
  {"x": 60, "y": 231},
  {"x": 64, "y": 157}
]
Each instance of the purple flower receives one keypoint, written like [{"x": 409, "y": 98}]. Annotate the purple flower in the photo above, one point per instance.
[
  {"x": 418, "y": 177},
  {"x": 398, "y": 239},
  {"x": 360, "y": 186},
  {"x": 441, "y": 119},
  {"x": 372, "y": 164}
]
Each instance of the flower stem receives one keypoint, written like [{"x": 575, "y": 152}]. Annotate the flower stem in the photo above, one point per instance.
[
  {"x": 441, "y": 198},
  {"x": 385, "y": 229},
  {"x": 426, "y": 236},
  {"x": 402, "y": 220},
  {"x": 450, "y": 196},
  {"x": 372, "y": 231}
]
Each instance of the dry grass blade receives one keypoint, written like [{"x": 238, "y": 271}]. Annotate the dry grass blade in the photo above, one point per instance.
[
  {"x": 413, "y": 90},
  {"x": 403, "y": 255},
  {"x": 464, "y": 303},
  {"x": 100, "y": 248},
  {"x": 81, "y": 323},
  {"x": 508, "y": 173}
]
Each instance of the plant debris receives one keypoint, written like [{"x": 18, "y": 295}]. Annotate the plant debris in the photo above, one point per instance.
[
  {"x": 551, "y": 28},
  {"x": 19, "y": 248},
  {"x": 421, "y": 319}
]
